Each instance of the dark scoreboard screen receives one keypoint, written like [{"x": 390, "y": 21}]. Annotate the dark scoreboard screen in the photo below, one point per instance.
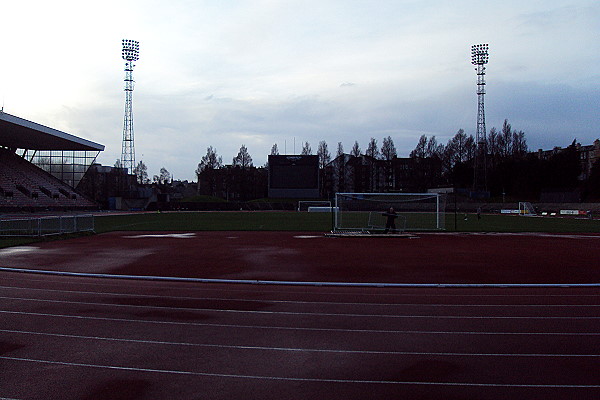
[{"x": 294, "y": 172}]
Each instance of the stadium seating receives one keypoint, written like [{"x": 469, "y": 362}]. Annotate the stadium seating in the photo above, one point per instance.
[{"x": 24, "y": 185}]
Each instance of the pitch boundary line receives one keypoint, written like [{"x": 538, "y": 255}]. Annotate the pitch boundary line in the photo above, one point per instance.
[{"x": 299, "y": 283}]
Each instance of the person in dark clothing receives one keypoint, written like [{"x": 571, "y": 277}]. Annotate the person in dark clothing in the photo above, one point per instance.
[{"x": 391, "y": 220}]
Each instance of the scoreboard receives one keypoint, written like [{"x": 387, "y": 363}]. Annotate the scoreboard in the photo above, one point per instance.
[{"x": 294, "y": 176}]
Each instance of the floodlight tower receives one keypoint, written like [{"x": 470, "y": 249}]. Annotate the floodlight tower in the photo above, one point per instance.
[
  {"x": 479, "y": 57},
  {"x": 131, "y": 51}
]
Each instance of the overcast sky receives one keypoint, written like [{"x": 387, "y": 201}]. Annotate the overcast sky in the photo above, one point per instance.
[{"x": 257, "y": 72}]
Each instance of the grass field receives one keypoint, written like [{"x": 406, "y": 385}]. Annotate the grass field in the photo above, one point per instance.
[
  {"x": 216, "y": 221},
  {"x": 310, "y": 222},
  {"x": 516, "y": 223},
  {"x": 322, "y": 222}
]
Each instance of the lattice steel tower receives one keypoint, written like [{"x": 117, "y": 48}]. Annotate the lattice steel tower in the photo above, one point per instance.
[
  {"x": 131, "y": 51},
  {"x": 479, "y": 57}
]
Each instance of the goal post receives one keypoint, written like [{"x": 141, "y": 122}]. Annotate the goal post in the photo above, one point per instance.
[
  {"x": 365, "y": 212},
  {"x": 526, "y": 208}
]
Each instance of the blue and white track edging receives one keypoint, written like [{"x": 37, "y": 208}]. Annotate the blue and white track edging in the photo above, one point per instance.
[{"x": 298, "y": 283}]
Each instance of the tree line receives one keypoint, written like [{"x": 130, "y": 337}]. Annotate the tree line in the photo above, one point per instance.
[{"x": 510, "y": 169}]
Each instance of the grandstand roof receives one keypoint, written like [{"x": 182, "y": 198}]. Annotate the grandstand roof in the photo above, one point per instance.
[{"x": 20, "y": 133}]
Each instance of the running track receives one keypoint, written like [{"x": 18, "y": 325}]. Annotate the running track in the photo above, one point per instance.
[{"x": 88, "y": 338}]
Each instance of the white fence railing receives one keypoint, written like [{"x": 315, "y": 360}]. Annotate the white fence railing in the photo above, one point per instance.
[{"x": 43, "y": 226}]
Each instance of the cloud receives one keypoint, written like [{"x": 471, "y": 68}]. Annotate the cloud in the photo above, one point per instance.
[
  {"x": 549, "y": 114},
  {"x": 179, "y": 132},
  {"x": 224, "y": 74}
]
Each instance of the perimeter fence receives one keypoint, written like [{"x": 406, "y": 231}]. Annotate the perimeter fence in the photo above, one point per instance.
[{"x": 44, "y": 226}]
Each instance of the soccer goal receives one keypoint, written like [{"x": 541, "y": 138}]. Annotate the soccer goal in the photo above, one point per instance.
[
  {"x": 526, "y": 208},
  {"x": 314, "y": 205},
  {"x": 365, "y": 212}
]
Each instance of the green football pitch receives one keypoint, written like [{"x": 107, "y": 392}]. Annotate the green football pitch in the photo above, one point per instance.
[
  {"x": 322, "y": 222},
  {"x": 310, "y": 222}
]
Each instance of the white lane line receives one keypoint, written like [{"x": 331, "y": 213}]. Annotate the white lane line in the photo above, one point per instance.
[
  {"x": 262, "y": 312},
  {"x": 145, "y": 296},
  {"x": 292, "y": 349},
  {"x": 297, "y": 328},
  {"x": 294, "y": 379}
]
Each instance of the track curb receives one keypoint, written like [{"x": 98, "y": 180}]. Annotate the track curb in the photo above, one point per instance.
[{"x": 297, "y": 283}]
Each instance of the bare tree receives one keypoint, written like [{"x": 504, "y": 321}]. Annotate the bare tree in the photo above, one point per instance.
[
  {"x": 209, "y": 161},
  {"x": 432, "y": 147},
  {"x": 243, "y": 159},
  {"x": 274, "y": 150},
  {"x": 306, "y": 150},
  {"x": 492, "y": 145},
  {"x": 324, "y": 155},
  {"x": 388, "y": 153},
  {"x": 506, "y": 139},
  {"x": 355, "y": 150},
  {"x": 470, "y": 148},
  {"x": 388, "y": 150},
  {"x": 340, "y": 169},
  {"x": 459, "y": 146},
  {"x": 340, "y": 150},
  {"x": 519, "y": 144},
  {"x": 373, "y": 173},
  {"x": 421, "y": 150},
  {"x": 165, "y": 177},
  {"x": 207, "y": 165},
  {"x": 372, "y": 150},
  {"x": 445, "y": 155},
  {"x": 141, "y": 172}
]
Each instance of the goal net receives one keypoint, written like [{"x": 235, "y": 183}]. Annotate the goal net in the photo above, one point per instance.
[
  {"x": 526, "y": 208},
  {"x": 366, "y": 212}
]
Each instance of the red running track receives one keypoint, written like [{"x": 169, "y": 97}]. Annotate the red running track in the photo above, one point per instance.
[
  {"x": 89, "y": 338},
  {"x": 85, "y": 338},
  {"x": 289, "y": 256}
]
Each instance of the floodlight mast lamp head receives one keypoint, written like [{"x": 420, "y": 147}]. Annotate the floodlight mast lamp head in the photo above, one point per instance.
[
  {"x": 479, "y": 54},
  {"x": 131, "y": 50}
]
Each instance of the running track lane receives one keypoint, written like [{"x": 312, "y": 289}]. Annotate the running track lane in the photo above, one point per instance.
[{"x": 83, "y": 338}]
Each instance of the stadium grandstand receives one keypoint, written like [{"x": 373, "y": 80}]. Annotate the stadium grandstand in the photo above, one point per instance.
[{"x": 41, "y": 167}]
